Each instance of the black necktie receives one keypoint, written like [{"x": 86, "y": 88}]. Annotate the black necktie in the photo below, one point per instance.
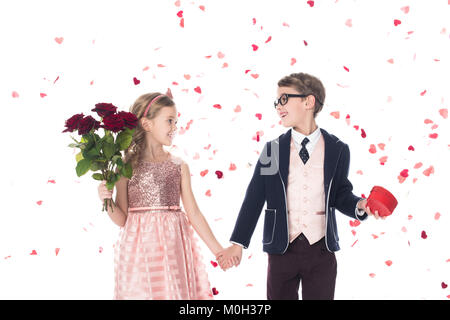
[{"x": 303, "y": 152}]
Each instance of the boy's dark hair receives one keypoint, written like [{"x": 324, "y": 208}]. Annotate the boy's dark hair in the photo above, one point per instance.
[{"x": 306, "y": 84}]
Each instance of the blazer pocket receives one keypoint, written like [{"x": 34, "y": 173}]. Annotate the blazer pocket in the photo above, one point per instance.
[{"x": 269, "y": 226}]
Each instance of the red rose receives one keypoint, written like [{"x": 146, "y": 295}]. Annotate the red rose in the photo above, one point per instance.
[
  {"x": 113, "y": 123},
  {"x": 73, "y": 122},
  {"x": 104, "y": 109},
  {"x": 129, "y": 119},
  {"x": 86, "y": 124}
]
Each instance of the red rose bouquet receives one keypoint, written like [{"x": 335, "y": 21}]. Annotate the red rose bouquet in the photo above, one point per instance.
[{"x": 103, "y": 154}]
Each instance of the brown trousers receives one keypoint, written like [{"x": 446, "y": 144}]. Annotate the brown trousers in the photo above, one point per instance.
[{"x": 313, "y": 265}]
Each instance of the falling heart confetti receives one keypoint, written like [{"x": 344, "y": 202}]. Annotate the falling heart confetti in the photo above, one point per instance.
[
  {"x": 335, "y": 114},
  {"x": 59, "y": 40},
  {"x": 39, "y": 202},
  {"x": 411, "y": 148},
  {"x": 237, "y": 109},
  {"x": 418, "y": 165},
  {"x": 214, "y": 264},
  {"x": 204, "y": 172},
  {"x": 56, "y": 251},
  {"x": 208, "y": 193},
  {"x": 136, "y": 81},
  {"x": 219, "y": 174},
  {"x": 397, "y": 22},
  {"x": 198, "y": 90},
  {"x": 383, "y": 160},
  {"x": 311, "y": 3},
  {"x": 428, "y": 171},
  {"x": 437, "y": 215},
  {"x": 293, "y": 61},
  {"x": 363, "y": 133},
  {"x": 348, "y": 23},
  {"x": 232, "y": 167},
  {"x": 433, "y": 135},
  {"x": 405, "y": 9},
  {"x": 15, "y": 94},
  {"x": 444, "y": 113},
  {"x": 381, "y": 146},
  {"x": 354, "y": 223},
  {"x": 217, "y": 106},
  {"x": 444, "y": 285},
  {"x": 258, "y": 115},
  {"x": 388, "y": 263},
  {"x": 180, "y": 14},
  {"x": 404, "y": 173},
  {"x": 43, "y": 95},
  {"x": 372, "y": 149},
  {"x": 33, "y": 253},
  {"x": 346, "y": 69},
  {"x": 254, "y": 47},
  {"x": 423, "y": 235},
  {"x": 215, "y": 291}
]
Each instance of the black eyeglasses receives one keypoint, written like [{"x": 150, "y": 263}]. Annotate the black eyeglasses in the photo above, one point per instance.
[{"x": 283, "y": 99}]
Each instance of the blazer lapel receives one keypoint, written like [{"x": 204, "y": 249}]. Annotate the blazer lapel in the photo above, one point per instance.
[{"x": 285, "y": 151}]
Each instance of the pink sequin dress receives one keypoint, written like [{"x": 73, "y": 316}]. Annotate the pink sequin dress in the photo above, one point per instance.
[{"x": 156, "y": 256}]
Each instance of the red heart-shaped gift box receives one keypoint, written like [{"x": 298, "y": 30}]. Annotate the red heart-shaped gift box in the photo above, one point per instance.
[{"x": 382, "y": 201}]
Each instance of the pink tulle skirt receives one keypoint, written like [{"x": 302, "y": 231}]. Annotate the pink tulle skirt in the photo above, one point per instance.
[{"x": 157, "y": 257}]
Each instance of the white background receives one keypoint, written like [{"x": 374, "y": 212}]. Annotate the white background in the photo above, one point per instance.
[{"x": 107, "y": 43}]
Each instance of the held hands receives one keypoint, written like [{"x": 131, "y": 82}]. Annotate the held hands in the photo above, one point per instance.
[
  {"x": 229, "y": 257},
  {"x": 362, "y": 205}
]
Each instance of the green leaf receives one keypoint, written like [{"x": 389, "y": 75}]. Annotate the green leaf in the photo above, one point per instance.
[
  {"x": 108, "y": 149},
  {"x": 79, "y": 156},
  {"x": 96, "y": 166},
  {"x": 127, "y": 170},
  {"x": 124, "y": 139},
  {"x": 83, "y": 167},
  {"x": 73, "y": 145},
  {"x": 97, "y": 176}
]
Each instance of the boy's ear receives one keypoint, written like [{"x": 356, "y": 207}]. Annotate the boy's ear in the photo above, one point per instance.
[{"x": 310, "y": 101}]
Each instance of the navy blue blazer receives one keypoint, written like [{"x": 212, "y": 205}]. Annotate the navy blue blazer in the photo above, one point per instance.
[{"x": 269, "y": 183}]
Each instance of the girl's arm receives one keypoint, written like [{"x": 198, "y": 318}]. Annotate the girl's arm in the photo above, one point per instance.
[
  {"x": 194, "y": 215},
  {"x": 119, "y": 215}
]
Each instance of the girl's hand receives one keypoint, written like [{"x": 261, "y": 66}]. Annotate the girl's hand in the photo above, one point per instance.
[{"x": 103, "y": 191}]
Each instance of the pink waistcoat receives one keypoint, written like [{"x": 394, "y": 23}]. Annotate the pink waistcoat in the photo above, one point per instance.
[{"x": 306, "y": 195}]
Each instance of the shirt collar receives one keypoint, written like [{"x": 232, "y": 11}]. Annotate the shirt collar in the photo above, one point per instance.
[{"x": 313, "y": 137}]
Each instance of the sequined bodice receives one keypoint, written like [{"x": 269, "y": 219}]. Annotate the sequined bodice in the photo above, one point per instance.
[{"x": 155, "y": 184}]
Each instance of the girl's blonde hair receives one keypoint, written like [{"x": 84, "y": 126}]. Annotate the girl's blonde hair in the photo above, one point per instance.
[{"x": 138, "y": 143}]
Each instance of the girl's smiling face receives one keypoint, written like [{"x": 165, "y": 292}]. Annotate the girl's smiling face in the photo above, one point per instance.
[{"x": 164, "y": 125}]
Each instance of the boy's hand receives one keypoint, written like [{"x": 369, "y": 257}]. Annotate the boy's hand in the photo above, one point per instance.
[
  {"x": 362, "y": 205},
  {"x": 229, "y": 257}
]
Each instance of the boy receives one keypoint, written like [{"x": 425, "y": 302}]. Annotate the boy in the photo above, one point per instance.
[{"x": 303, "y": 177}]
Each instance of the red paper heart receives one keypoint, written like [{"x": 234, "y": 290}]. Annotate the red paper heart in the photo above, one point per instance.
[
  {"x": 136, "y": 81},
  {"x": 198, "y": 89}
]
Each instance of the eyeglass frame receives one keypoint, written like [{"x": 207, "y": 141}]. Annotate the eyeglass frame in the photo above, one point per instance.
[{"x": 289, "y": 95}]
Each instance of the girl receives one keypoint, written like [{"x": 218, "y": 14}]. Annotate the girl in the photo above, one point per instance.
[{"x": 156, "y": 256}]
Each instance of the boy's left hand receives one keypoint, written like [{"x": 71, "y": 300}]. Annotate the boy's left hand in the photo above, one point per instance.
[{"x": 363, "y": 206}]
